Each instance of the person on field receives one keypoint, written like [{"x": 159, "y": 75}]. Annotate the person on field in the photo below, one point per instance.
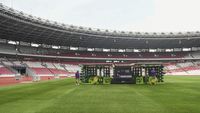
[
  {"x": 153, "y": 75},
  {"x": 77, "y": 77},
  {"x": 153, "y": 72}
]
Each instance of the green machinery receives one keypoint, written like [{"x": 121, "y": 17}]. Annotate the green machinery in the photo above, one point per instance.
[
  {"x": 138, "y": 73},
  {"x": 142, "y": 73},
  {"x": 90, "y": 71}
]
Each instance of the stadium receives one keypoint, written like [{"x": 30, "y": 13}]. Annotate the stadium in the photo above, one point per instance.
[{"x": 39, "y": 59}]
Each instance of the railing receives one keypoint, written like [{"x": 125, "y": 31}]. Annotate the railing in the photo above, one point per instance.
[
  {"x": 92, "y": 58},
  {"x": 30, "y": 72},
  {"x": 10, "y": 69}
]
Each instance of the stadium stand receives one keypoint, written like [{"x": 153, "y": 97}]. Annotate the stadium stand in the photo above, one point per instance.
[
  {"x": 186, "y": 68},
  {"x": 45, "y": 71},
  {"x": 57, "y": 52},
  {"x": 27, "y": 50},
  {"x": 42, "y": 51},
  {"x": 5, "y": 72},
  {"x": 7, "y": 48}
]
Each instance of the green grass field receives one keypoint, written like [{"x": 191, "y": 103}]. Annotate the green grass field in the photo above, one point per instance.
[{"x": 179, "y": 94}]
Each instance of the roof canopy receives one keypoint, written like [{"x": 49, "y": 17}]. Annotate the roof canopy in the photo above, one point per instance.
[{"x": 17, "y": 26}]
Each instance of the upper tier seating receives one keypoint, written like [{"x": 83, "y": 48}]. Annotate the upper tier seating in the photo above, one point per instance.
[
  {"x": 125, "y": 55},
  {"x": 27, "y": 50},
  {"x": 7, "y": 48},
  {"x": 57, "y": 52}
]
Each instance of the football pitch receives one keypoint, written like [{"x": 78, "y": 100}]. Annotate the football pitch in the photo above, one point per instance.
[{"x": 179, "y": 94}]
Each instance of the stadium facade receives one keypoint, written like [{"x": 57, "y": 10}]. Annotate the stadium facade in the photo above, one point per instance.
[{"x": 48, "y": 49}]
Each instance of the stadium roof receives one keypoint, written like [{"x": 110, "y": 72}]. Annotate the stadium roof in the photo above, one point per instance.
[{"x": 18, "y": 26}]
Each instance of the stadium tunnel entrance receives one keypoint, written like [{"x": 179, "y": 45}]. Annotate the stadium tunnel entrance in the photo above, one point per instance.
[{"x": 20, "y": 69}]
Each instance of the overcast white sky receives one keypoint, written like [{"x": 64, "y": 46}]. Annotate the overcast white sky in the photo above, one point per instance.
[{"x": 128, "y": 15}]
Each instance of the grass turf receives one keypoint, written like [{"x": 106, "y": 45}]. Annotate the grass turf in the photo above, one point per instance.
[{"x": 179, "y": 94}]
